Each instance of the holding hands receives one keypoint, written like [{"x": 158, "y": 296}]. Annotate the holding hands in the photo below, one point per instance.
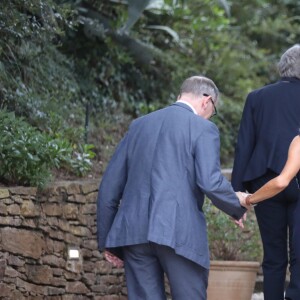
[{"x": 242, "y": 197}]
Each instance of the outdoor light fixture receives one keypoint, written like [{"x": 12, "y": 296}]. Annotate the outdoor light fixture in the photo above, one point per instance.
[{"x": 73, "y": 253}]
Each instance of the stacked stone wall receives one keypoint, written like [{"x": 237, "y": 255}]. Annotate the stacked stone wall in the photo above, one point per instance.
[{"x": 36, "y": 231}]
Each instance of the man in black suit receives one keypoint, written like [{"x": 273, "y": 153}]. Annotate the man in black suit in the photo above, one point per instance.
[{"x": 271, "y": 119}]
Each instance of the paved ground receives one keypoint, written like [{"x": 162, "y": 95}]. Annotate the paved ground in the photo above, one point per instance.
[{"x": 259, "y": 296}]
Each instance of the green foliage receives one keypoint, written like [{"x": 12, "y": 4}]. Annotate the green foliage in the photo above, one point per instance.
[
  {"x": 227, "y": 121},
  {"x": 210, "y": 43},
  {"x": 58, "y": 57},
  {"x": 35, "y": 76},
  {"x": 81, "y": 160},
  {"x": 227, "y": 241},
  {"x": 28, "y": 156},
  {"x": 107, "y": 133}
]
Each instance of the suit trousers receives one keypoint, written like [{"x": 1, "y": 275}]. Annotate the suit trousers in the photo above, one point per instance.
[
  {"x": 276, "y": 223},
  {"x": 145, "y": 266}
]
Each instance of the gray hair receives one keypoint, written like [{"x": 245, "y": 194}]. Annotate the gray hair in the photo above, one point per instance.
[
  {"x": 289, "y": 64},
  {"x": 199, "y": 85}
]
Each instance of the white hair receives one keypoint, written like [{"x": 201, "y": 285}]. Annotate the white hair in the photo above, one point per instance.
[
  {"x": 200, "y": 85},
  {"x": 289, "y": 64}
]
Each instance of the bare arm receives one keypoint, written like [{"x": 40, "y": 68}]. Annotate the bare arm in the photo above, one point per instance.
[{"x": 279, "y": 183}]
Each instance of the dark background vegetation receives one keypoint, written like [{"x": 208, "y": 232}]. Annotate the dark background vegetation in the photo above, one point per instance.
[{"x": 74, "y": 73}]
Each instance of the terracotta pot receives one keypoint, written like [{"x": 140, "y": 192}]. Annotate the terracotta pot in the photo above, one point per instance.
[{"x": 232, "y": 280}]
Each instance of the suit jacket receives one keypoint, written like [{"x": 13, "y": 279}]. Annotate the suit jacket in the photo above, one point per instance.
[
  {"x": 160, "y": 171},
  {"x": 271, "y": 119}
]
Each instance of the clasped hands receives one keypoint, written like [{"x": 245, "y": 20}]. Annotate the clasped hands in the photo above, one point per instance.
[{"x": 242, "y": 197}]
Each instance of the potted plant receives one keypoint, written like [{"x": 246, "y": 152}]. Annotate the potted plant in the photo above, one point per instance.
[{"x": 235, "y": 255}]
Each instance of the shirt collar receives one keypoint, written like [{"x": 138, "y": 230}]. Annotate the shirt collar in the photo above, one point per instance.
[{"x": 188, "y": 104}]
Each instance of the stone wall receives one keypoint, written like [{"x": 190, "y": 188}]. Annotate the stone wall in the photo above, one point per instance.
[{"x": 36, "y": 231}]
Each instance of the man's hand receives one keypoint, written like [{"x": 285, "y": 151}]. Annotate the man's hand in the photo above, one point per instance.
[
  {"x": 242, "y": 197},
  {"x": 114, "y": 260},
  {"x": 240, "y": 222}
]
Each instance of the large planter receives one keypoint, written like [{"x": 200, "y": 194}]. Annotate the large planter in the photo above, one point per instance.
[{"x": 232, "y": 280}]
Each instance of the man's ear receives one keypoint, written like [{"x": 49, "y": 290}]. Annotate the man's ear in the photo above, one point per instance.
[{"x": 204, "y": 102}]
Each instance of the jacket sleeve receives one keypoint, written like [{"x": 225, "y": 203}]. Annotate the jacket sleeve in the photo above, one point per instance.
[
  {"x": 244, "y": 148},
  {"x": 209, "y": 177},
  {"x": 111, "y": 191}
]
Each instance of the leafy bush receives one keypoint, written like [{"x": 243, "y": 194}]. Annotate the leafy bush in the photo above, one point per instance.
[
  {"x": 28, "y": 156},
  {"x": 229, "y": 242},
  {"x": 35, "y": 76},
  {"x": 58, "y": 57},
  {"x": 80, "y": 162}
]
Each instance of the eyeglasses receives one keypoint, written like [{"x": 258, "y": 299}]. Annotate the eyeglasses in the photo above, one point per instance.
[{"x": 215, "y": 112}]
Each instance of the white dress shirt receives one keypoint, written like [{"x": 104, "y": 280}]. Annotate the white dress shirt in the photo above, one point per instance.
[{"x": 188, "y": 104}]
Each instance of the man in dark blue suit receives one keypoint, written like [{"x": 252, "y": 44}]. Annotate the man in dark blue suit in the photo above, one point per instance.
[
  {"x": 149, "y": 209},
  {"x": 271, "y": 119}
]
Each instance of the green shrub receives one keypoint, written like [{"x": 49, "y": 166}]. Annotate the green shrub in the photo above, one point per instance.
[
  {"x": 229, "y": 242},
  {"x": 28, "y": 156},
  {"x": 81, "y": 160}
]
